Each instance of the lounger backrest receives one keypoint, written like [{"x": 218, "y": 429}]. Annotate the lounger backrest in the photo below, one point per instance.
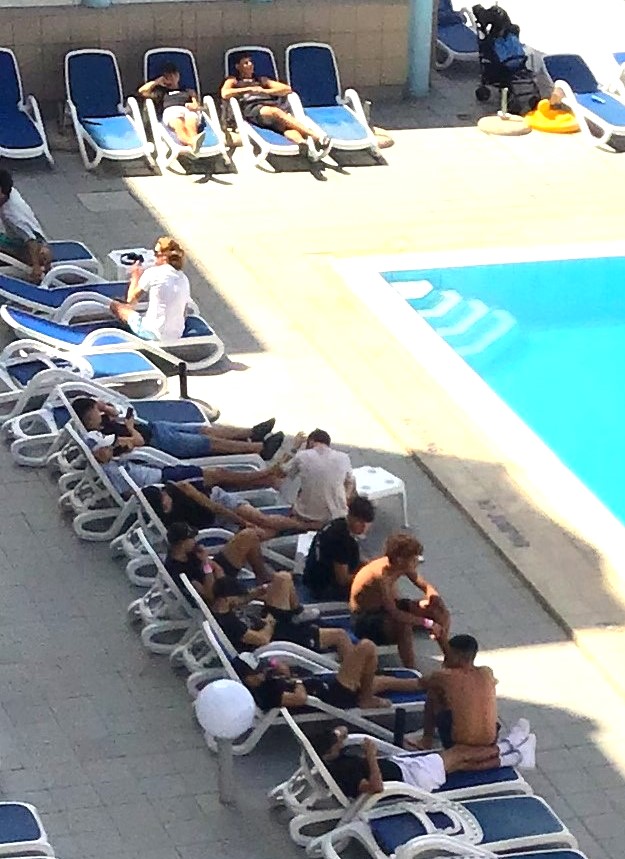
[
  {"x": 95, "y": 465},
  {"x": 309, "y": 752},
  {"x": 223, "y": 646},
  {"x": 264, "y": 61},
  {"x": 447, "y": 15},
  {"x": 163, "y": 573},
  {"x": 155, "y": 59},
  {"x": 572, "y": 69},
  {"x": 93, "y": 83},
  {"x": 10, "y": 82},
  {"x": 313, "y": 73}
]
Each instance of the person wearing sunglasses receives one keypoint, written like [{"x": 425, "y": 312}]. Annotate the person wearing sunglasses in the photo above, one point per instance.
[{"x": 168, "y": 292}]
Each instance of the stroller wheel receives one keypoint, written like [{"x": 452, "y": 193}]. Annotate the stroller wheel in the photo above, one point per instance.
[{"x": 482, "y": 93}]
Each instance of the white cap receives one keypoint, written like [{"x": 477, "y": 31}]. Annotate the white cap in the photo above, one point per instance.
[{"x": 97, "y": 440}]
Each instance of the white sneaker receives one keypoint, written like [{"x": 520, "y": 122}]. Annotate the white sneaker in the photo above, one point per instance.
[
  {"x": 527, "y": 750},
  {"x": 518, "y": 733}
]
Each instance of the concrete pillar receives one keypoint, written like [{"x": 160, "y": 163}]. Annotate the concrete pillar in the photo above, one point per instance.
[{"x": 420, "y": 41}]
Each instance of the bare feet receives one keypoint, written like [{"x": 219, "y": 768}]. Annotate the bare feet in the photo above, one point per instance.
[{"x": 374, "y": 703}]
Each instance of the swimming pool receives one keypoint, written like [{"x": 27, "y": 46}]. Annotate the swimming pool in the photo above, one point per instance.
[{"x": 548, "y": 337}]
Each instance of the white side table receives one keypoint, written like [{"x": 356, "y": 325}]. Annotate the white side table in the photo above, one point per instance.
[
  {"x": 377, "y": 483},
  {"x": 123, "y": 271},
  {"x": 304, "y": 542}
]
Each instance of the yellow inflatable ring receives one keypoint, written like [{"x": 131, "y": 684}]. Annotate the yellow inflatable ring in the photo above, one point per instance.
[{"x": 547, "y": 118}]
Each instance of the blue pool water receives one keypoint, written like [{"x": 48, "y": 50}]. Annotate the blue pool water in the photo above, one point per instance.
[{"x": 549, "y": 339}]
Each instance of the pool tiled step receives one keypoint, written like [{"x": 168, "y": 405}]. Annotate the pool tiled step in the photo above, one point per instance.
[
  {"x": 498, "y": 327},
  {"x": 472, "y": 310},
  {"x": 442, "y": 303}
]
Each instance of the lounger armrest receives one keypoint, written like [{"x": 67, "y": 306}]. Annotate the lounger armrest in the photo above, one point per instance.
[
  {"x": 469, "y": 16},
  {"x": 52, "y": 278},
  {"x": 395, "y": 790},
  {"x": 132, "y": 109},
  {"x": 381, "y": 745},
  {"x": 208, "y": 103},
  {"x": 24, "y": 347},
  {"x": 425, "y": 844},
  {"x": 353, "y": 100},
  {"x": 297, "y": 655},
  {"x": 296, "y": 106}
]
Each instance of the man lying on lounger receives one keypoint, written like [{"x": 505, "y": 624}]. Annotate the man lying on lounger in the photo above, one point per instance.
[
  {"x": 356, "y": 684},
  {"x": 179, "y": 109},
  {"x": 218, "y": 503},
  {"x": 21, "y": 235},
  {"x": 367, "y": 772},
  {"x": 263, "y": 102},
  {"x": 185, "y": 440}
]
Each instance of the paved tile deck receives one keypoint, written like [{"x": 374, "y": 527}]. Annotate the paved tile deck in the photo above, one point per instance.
[{"x": 99, "y": 734}]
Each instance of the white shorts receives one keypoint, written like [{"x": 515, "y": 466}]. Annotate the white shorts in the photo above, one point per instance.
[
  {"x": 176, "y": 112},
  {"x": 424, "y": 771}
]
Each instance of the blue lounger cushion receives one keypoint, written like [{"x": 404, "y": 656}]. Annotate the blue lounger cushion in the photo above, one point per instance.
[
  {"x": 501, "y": 819},
  {"x": 313, "y": 75},
  {"x": 17, "y": 823},
  {"x": 337, "y": 122},
  {"x": 70, "y": 252},
  {"x": 459, "y": 38},
  {"x": 604, "y": 106},
  {"x": 474, "y": 778},
  {"x": 12, "y": 287},
  {"x": 104, "y": 366},
  {"x": 272, "y": 138},
  {"x": 17, "y": 131},
  {"x": 182, "y": 411},
  {"x": 572, "y": 69},
  {"x": 112, "y": 132},
  {"x": 393, "y": 697}
]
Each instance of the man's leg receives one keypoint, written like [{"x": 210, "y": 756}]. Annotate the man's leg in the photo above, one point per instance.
[
  {"x": 269, "y": 522},
  {"x": 222, "y": 445},
  {"x": 281, "y": 593},
  {"x": 403, "y": 635},
  {"x": 244, "y": 549},
  {"x": 357, "y": 672},
  {"x": 287, "y": 122},
  {"x": 183, "y": 132},
  {"x": 229, "y": 478}
]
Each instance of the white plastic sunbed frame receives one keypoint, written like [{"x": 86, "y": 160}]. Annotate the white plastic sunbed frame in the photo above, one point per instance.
[
  {"x": 312, "y": 796},
  {"x": 447, "y": 54},
  {"x": 167, "y": 148},
  {"x": 448, "y": 847},
  {"x": 29, "y": 106}
]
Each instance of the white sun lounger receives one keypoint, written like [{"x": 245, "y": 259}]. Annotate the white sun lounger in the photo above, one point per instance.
[
  {"x": 447, "y": 847},
  {"x": 21, "y": 830},
  {"x": 22, "y": 132},
  {"x": 312, "y": 796},
  {"x": 54, "y": 297}
]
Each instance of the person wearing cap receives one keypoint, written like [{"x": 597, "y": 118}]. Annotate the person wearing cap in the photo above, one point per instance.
[
  {"x": 334, "y": 555},
  {"x": 356, "y": 683},
  {"x": 365, "y": 771},
  {"x": 186, "y": 555},
  {"x": 218, "y": 505},
  {"x": 282, "y": 621},
  {"x": 168, "y": 291},
  {"x": 378, "y": 611},
  {"x": 184, "y": 440}
]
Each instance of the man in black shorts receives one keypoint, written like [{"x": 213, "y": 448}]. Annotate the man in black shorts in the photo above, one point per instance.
[
  {"x": 186, "y": 555},
  {"x": 334, "y": 555},
  {"x": 356, "y": 683},
  {"x": 263, "y": 102},
  {"x": 281, "y": 617}
]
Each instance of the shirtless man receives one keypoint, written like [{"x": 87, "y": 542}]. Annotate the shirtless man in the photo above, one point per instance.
[
  {"x": 461, "y": 700},
  {"x": 380, "y": 615}
]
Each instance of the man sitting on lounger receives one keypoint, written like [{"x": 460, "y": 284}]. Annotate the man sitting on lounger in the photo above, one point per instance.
[
  {"x": 178, "y": 109},
  {"x": 461, "y": 699},
  {"x": 367, "y": 772},
  {"x": 356, "y": 683},
  {"x": 334, "y": 556},
  {"x": 184, "y": 440},
  {"x": 168, "y": 291},
  {"x": 186, "y": 555},
  {"x": 21, "y": 235},
  {"x": 378, "y": 611},
  {"x": 218, "y": 503},
  {"x": 263, "y": 102}
]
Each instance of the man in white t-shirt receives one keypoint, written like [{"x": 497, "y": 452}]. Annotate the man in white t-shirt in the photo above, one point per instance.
[
  {"x": 326, "y": 480},
  {"x": 21, "y": 235},
  {"x": 168, "y": 291}
]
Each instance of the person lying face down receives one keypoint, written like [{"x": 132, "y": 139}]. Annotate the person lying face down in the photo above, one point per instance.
[{"x": 364, "y": 770}]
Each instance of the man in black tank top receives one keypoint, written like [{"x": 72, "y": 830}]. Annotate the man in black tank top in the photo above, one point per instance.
[
  {"x": 179, "y": 109},
  {"x": 263, "y": 102}
]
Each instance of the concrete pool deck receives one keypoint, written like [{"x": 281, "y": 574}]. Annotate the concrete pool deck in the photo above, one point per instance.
[{"x": 91, "y": 721}]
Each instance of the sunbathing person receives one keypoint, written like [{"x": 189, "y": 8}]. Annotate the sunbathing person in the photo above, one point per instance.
[
  {"x": 263, "y": 102},
  {"x": 334, "y": 555},
  {"x": 367, "y": 772},
  {"x": 184, "y": 440},
  {"x": 356, "y": 683},
  {"x": 283, "y": 617},
  {"x": 186, "y": 555},
  {"x": 461, "y": 699},
  {"x": 168, "y": 291},
  {"x": 178, "y": 109},
  {"x": 380, "y": 614},
  {"x": 22, "y": 236},
  {"x": 326, "y": 480}
]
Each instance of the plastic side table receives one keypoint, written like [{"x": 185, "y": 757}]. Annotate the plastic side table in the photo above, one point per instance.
[
  {"x": 376, "y": 483},
  {"x": 123, "y": 271}
]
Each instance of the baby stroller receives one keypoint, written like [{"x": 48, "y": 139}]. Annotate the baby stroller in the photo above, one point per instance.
[{"x": 503, "y": 62}]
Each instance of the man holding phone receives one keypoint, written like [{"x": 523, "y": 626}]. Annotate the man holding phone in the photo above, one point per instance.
[{"x": 182, "y": 440}]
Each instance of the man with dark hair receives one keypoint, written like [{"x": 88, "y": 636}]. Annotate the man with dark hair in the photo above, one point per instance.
[
  {"x": 326, "y": 480},
  {"x": 184, "y": 440},
  {"x": 178, "y": 109},
  {"x": 334, "y": 556},
  {"x": 380, "y": 614},
  {"x": 21, "y": 235},
  {"x": 366, "y": 772},
  {"x": 283, "y": 617},
  {"x": 461, "y": 699}
]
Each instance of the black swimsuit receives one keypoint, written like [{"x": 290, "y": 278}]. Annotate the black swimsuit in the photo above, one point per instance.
[{"x": 252, "y": 102}]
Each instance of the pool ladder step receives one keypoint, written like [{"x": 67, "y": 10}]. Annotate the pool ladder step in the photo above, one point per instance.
[{"x": 497, "y": 328}]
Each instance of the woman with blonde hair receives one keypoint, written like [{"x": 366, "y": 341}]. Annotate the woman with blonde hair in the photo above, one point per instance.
[{"x": 168, "y": 291}]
